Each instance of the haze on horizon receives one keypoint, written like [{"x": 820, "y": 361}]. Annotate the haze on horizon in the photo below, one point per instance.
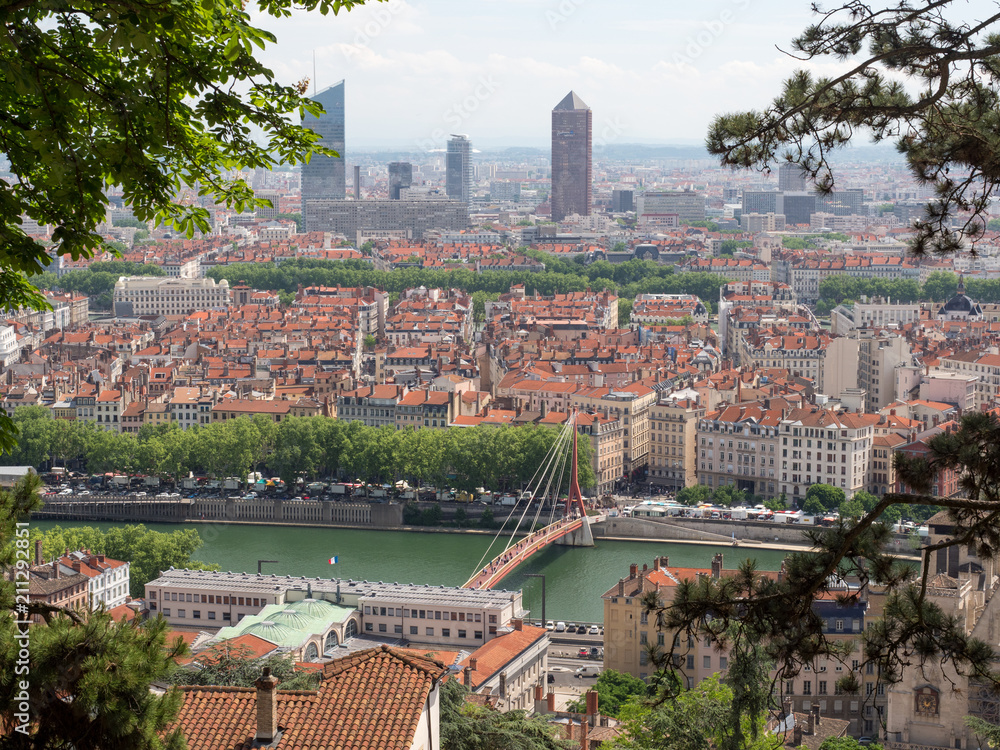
[{"x": 493, "y": 69}]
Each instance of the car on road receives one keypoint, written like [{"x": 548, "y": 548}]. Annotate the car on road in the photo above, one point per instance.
[
  {"x": 594, "y": 630},
  {"x": 550, "y": 679},
  {"x": 560, "y": 627},
  {"x": 595, "y": 652},
  {"x": 140, "y": 494},
  {"x": 587, "y": 672},
  {"x": 571, "y": 628},
  {"x": 583, "y": 653}
]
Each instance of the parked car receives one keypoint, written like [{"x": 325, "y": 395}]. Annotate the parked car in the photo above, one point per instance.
[
  {"x": 594, "y": 630},
  {"x": 582, "y": 629},
  {"x": 595, "y": 652},
  {"x": 560, "y": 627},
  {"x": 588, "y": 671},
  {"x": 550, "y": 625}
]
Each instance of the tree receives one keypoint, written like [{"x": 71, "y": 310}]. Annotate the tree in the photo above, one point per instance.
[
  {"x": 919, "y": 76},
  {"x": 813, "y": 506},
  {"x": 77, "y": 80},
  {"x": 614, "y": 689},
  {"x": 845, "y": 743},
  {"x": 104, "y": 666},
  {"x": 829, "y": 497},
  {"x": 696, "y": 494},
  {"x": 465, "y": 726},
  {"x": 237, "y": 667},
  {"x": 148, "y": 552}
]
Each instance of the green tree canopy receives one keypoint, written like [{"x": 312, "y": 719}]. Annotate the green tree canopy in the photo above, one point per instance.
[
  {"x": 614, "y": 689},
  {"x": 829, "y": 497}
]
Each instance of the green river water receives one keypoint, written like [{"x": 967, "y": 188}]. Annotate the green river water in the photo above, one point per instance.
[{"x": 575, "y": 578}]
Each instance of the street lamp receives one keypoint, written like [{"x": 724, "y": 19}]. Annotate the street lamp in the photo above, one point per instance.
[{"x": 542, "y": 576}]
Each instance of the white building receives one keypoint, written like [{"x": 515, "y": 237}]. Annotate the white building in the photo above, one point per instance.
[
  {"x": 109, "y": 579},
  {"x": 153, "y": 295},
  {"x": 9, "y": 352}
]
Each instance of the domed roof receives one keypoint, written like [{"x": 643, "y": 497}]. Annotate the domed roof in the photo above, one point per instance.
[{"x": 959, "y": 303}]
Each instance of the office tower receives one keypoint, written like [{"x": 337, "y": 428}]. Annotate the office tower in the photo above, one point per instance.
[
  {"x": 572, "y": 165},
  {"x": 798, "y": 207},
  {"x": 622, "y": 201},
  {"x": 458, "y": 168},
  {"x": 411, "y": 218},
  {"x": 762, "y": 202},
  {"x": 686, "y": 205},
  {"x": 791, "y": 178},
  {"x": 400, "y": 176},
  {"x": 324, "y": 177},
  {"x": 842, "y": 202}
]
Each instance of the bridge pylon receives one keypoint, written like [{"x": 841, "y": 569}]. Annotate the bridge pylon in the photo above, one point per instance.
[{"x": 581, "y": 537}]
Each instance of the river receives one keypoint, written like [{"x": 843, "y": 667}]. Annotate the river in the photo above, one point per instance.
[{"x": 575, "y": 578}]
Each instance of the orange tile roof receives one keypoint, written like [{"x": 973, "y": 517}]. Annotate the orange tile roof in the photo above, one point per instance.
[
  {"x": 497, "y": 652},
  {"x": 372, "y": 699}
]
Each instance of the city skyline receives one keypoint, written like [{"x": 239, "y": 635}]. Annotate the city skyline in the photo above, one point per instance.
[{"x": 439, "y": 66}]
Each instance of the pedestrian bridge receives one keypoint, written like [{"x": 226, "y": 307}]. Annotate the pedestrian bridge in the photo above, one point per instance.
[{"x": 571, "y": 531}]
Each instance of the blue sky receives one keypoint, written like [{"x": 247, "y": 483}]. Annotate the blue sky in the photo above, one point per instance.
[{"x": 652, "y": 72}]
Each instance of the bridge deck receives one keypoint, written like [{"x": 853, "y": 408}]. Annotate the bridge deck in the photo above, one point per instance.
[{"x": 500, "y": 566}]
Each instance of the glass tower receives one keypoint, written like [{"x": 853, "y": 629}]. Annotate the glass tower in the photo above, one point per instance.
[{"x": 325, "y": 176}]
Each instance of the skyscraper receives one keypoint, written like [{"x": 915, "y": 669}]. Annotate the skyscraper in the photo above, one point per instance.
[
  {"x": 791, "y": 178},
  {"x": 325, "y": 177},
  {"x": 458, "y": 168},
  {"x": 400, "y": 176},
  {"x": 572, "y": 166}
]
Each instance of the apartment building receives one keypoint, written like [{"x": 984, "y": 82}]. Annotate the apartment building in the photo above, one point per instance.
[
  {"x": 673, "y": 423},
  {"x": 374, "y": 406},
  {"x": 413, "y": 216},
  {"x": 631, "y": 405},
  {"x": 740, "y": 445},
  {"x": 878, "y": 359},
  {"x": 875, "y": 313},
  {"x": 803, "y": 354},
  {"x": 819, "y": 446},
  {"x": 418, "y": 409},
  {"x": 981, "y": 363},
  {"x": 607, "y": 441},
  {"x": 108, "y": 580},
  {"x": 154, "y": 295},
  {"x": 658, "y": 309}
]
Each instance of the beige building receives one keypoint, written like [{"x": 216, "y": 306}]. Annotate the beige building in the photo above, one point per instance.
[
  {"x": 606, "y": 436},
  {"x": 509, "y": 667},
  {"x": 426, "y": 615},
  {"x": 739, "y": 445},
  {"x": 673, "y": 455},
  {"x": 154, "y": 295},
  {"x": 878, "y": 359},
  {"x": 983, "y": 364},
  {"x": 631, "y": 405}
]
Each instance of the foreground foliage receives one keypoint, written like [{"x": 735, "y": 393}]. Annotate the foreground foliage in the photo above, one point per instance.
[
  {"x": 87, "y": 678},
  {"x": 922, "y": 74}
]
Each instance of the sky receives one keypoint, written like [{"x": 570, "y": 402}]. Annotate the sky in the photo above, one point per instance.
[{"x": 652, "y": 71}]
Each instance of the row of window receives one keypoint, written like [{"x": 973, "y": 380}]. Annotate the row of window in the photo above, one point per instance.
[
  {"x": 429, "y": 614},
  {"x": 414, "y": 630},
  {"x": 240, "y": 601}
]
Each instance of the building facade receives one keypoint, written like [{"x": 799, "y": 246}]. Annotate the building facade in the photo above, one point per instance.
[
  {"x": 155, "y": 295},
  {"x": 458, "y": 168},
  {"x": 325, "y": 177}
]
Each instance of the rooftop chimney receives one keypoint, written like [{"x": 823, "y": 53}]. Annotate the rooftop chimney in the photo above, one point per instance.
[
  {"x": 55, "y": 568},
  {"x": 267, "y": 707},
  {"x": 503, "y": 684},
  {"x": 621, "y": 587},
  {"x": 717, "y": 566},
  {"x": 797, "y": 735},
  {"x": 633, "y": 570},
  {"x": 518, "y": 623},
  {"x": 592, "y": 707},
  {"x": 39, "y": 558},
  {"x": 809, "y": 724},
  {"x": 584, "y": 735},
  {"x": 472, "y": 663},
  {"x": 467, "y": 677},
  {"x": 550, "y": 703},
  {"x": 816, "y": 716}
]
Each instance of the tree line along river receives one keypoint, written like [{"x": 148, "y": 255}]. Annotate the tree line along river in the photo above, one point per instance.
[{"x": 575, "y": 578}]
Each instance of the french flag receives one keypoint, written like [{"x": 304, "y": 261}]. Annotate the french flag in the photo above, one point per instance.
[{"x": 333, "y": 560}]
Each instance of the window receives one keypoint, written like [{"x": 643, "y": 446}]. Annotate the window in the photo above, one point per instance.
[
  {"x": 211, "y": 615},
  {"x": 196, "y": 614},
  {"x": 690, "y": 661},
  {"x": 369, "y": 627},
  {"x": 429, "y": 631},
  {"x": 225, "y": 616},
  {"x": 822, "y": 687},
  {"x": 707, "y": 662},
  {"x": 462, "y": 634},
  {"x": 182, "y": 613},
  {"x": 723, "y": 662},
  {"x": 479, "y": 635},
  {"x": 807, "y": 687},
  {"x": 382, "y": 628},
  {"x": 166, "y": 611},
  {"x": 414, "y": 630},
  {"x": 397, "y": 629},
  {"x": 446, "y": 632},
  {"x": 493, "y": 618},
  {"x": 839, "y": 626}
]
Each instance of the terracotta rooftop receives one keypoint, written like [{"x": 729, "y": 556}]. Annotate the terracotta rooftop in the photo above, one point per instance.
[{"x": 372, "y": 699}]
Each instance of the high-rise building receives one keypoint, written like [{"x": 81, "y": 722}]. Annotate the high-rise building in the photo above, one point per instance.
[
  {"x": 622, "y": 201},
  {"x": 412, "y": 217},
  {"x": 791, "y": 177},
  {"x": 458, "y": 168},
  {"x": 687, "y": 205},
  {"x": 572, "y": 165},
  {"x": 798, "y": 207},
  {"x": 400, "y": 176},
  {"x": 325, "y": 177}
]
